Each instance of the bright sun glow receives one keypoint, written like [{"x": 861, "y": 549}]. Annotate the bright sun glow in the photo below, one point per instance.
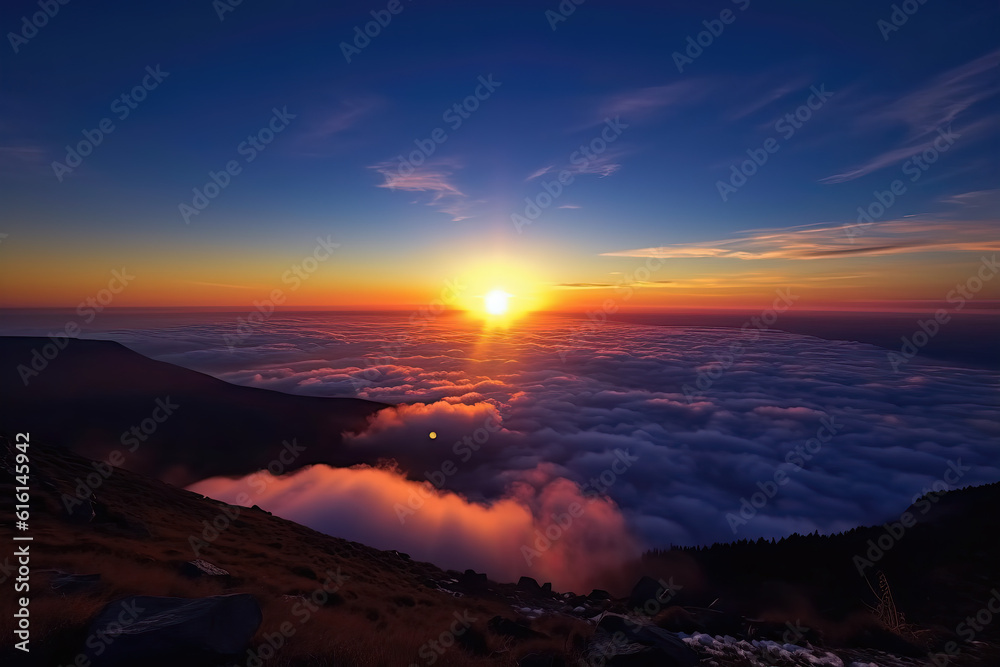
[{"x": 496, "y": 302}]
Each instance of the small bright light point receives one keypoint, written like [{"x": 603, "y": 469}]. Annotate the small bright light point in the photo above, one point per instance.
[
  {"x": 496, "y": 302},
  {"x": 433, "y": 435}
]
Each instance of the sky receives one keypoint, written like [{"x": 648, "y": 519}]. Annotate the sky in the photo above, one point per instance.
[{"x": 621, "y": 132}]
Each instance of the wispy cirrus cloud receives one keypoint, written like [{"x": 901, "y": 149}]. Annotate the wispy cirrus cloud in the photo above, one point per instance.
[
  {"x": 435, "y": 178},
  {"x": 975, "y": 199},
  {"x": 633, "y": 105},
  {"x": 347, "y": 114},
  {"x": 775, "y": 93},
  {"x": 641, "y": 103},
  {"x": 329, "y": 129},
  {"x": 20, "y": 159},
  {"x": 721, "y": 281},
  {"x": 944, "y": 100},
  {"x": 603, "y": 164},
  {"x": 826, "y": 241},
  {"x": 540, "y": 172}
]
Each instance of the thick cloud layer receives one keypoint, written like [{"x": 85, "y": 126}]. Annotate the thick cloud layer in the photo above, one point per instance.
[
  {"x": 517, "y": 413},
  {"x": 556, "y": 534}
]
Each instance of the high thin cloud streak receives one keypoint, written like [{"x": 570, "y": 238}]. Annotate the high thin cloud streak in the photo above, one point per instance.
[
  {"x": 892, "y": 237},
  {"x": 945, "y": 100}
]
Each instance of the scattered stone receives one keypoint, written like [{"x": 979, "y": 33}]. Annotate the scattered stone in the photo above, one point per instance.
[
  {"x": 644, "y": 644},
  {"x": 161, "y": 631}
]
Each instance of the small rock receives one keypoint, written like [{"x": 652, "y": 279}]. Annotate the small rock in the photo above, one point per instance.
[
  {"x": 65, "y": 583},
  {"x": 650, "y": 645},
  {"x": 202, "y": 568}
]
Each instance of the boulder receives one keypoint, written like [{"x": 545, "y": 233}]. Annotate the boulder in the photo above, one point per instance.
[
  {"x": 528, "y": 585},
  {"x": 678, "y": 619},
  {"x": 598, "y": 594},
  {"x": 161, "y": 631},
  {"x": 647, "y": 591},
  {"x": 474, "y": 581},
  {"x": 636, "y": 645}
]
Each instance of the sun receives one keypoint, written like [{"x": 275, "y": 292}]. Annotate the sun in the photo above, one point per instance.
[{"x": 495, "y": 302}]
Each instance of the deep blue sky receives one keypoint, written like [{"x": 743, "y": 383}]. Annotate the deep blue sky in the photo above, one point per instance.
[{"x": 656, "y": 186}]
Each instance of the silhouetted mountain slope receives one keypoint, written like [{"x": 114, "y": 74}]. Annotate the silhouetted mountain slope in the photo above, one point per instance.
[
  {"x": 941, "y": 568},
  {"x": 189, "y": 426}
]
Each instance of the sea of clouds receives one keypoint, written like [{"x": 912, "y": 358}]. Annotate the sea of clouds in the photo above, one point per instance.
[{"x": 562, "y": 450}]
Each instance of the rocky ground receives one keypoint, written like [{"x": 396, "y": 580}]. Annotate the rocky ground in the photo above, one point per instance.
[{"x": 141, "y": 572}]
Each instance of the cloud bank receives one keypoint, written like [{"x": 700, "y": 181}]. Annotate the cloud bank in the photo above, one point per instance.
[{"x": 528, "y": 420}]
